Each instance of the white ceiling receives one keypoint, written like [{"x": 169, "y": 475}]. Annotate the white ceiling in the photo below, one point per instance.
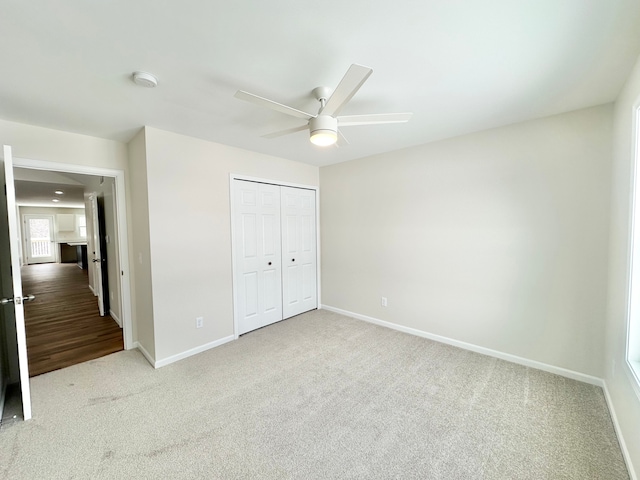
[
  {"x": 36, "y": 188},
  {"x": 460, "y": 66}
]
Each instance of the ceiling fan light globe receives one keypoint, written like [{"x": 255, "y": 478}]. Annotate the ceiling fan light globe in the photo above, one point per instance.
[{"x": 323, "y": 138}]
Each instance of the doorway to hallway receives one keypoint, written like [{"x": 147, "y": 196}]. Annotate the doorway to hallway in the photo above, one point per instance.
[{"x": 63, "y": 324}]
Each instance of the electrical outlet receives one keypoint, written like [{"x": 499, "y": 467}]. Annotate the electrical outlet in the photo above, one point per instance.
[
  {"x": 199, "y": 321},
  {"x": 383, "y": 301}
]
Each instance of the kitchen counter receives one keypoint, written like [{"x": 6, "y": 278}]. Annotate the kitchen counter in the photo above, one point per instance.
[{"x": 74, "y": 252}]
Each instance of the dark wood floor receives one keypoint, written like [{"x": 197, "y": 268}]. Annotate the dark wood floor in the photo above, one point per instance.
[{"x": 63, "y": 324}]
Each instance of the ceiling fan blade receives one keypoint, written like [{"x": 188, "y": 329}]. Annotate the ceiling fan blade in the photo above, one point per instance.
[
  {"x": 373, "y": 119},
  {"x": 286, "y": 132},
  {"x": 265, "y": 102},
  {"x": 347, "y": 88}
]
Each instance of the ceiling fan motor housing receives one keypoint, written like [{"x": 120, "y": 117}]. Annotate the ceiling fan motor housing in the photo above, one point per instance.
[
  {"x": 323, "y": 130},
  {"x": 323, "y": 122}
]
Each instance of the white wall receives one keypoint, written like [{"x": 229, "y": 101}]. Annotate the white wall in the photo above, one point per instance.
[
  {"x": 190, "y": 233},
  {"x": 498, "y": 239},
  {"x": 39, "y": 143},
  {"x": 139, "y": 252},
  {"x": 625, "y": 402}
]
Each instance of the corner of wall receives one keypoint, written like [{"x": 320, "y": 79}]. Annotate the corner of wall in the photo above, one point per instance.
[{"x": 139, "y": 255}]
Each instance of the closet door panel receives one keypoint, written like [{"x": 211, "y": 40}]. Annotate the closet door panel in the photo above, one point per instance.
[
  {"x": 299, "y": 284},
  {"x": 250, "y": 281},
  {"x": 257, "y": 255}
]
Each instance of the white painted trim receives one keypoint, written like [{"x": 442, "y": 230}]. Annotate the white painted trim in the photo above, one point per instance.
[
  {"x": 632, "y": 369},
  {"x": 632, "y": 249},
  {"x": 616, "y": 427},
  {"x": 120, "y": 200},
  {"x": 233, "y": 177},
  {"x": 115, "y": 317},
  {"x": 318, "y": 252},
  {"x": 92, "y": 290},
  {"x": 194, "y": 351},
  {"x": 234, "y": 275},
  {"x": 144, "y": 353},
  {"x": 121, "y": 220},
  {"x": 581, "y": 377}
]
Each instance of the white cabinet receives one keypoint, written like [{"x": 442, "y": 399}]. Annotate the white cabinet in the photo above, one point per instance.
[{"x": 66, "y": 222}]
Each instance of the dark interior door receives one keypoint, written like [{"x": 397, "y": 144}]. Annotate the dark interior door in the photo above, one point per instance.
[{"x": 102, "y": 227}]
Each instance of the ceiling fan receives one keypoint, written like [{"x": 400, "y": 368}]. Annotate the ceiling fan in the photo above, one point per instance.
[{"x": 323, "y": 126}]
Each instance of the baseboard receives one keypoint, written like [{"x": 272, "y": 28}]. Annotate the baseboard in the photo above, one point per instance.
[
  {"x": 144, "y": 353},
  {"x": 115, "y": 317},
  {"x": 474, "y": 348},
  {"x": 618, "y": 430},
  {"x": 194, "y": 351}
]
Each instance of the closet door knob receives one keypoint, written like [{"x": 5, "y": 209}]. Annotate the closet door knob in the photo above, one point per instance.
[
  {"x": 293, "y": 259},
  {"x": 269, "y": 263}
]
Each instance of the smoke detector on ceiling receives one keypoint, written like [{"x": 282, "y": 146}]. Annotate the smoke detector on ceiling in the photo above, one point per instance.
[{"x": 145, "y": 79}]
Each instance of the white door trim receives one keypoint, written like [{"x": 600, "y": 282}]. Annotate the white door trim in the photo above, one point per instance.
[
  {"x": 270, "y": 181},
  {"x": 121, "y": 220}
]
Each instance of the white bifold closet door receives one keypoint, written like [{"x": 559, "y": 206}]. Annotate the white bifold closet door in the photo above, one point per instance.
[
  {"x": 275, "y": 253},
  {"x": 298, "y": 213},
  {"x": 257, "y": 252}
]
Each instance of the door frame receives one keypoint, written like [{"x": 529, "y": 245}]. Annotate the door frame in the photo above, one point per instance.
[
  {"x": 279, "y": 183},
  {"x": 121, "y": 226}
]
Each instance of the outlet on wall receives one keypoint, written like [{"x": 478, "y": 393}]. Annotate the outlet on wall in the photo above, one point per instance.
[
  {"x": 199, "y": 321},
  {"x": 383, "y": 301}
]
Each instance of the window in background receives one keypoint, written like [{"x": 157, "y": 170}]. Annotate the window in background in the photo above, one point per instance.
[
  {"x": 81, "y": 222},
  {"x": 39, "y": 237}
]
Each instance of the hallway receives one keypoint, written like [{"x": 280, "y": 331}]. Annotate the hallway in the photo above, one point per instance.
[{"x": 63, "y": 325}]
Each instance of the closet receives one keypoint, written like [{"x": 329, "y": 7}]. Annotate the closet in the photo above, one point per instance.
[{"x": 274, "y": 250}]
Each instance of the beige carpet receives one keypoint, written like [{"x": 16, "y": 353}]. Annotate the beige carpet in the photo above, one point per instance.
[{"x": 319, "y": 396}]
